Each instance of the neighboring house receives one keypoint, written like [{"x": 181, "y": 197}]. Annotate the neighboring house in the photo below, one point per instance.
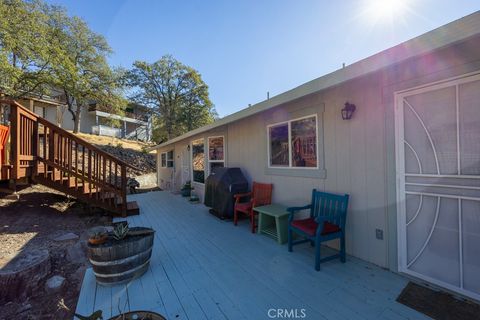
[
  {"x": 135, "y": 124},
  {"x": 47, "y": 107},
  {"x": 409, "y": 157}
]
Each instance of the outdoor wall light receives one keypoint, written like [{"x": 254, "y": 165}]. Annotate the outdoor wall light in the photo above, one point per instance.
[
  {"x": 348, "y": 111},
  {"x": 188, "y": 147}
]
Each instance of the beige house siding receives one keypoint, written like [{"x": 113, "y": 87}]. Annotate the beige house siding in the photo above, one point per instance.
[
  {"x": 354, "y": 161},
  {"x": 86, "y": 120},
  {"x": 358, "y": 155}
]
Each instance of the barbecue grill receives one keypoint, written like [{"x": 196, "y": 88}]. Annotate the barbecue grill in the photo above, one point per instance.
[{"x": 220, "y": 187}]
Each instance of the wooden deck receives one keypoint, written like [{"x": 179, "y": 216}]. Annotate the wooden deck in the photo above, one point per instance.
[{"x": 205, "y": 268}]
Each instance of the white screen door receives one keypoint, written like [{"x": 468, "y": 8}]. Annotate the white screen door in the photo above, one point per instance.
[{"x": 438, "y": 175}]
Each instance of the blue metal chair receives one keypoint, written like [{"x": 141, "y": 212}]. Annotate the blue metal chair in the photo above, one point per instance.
[{"x": 328, "y": 213}]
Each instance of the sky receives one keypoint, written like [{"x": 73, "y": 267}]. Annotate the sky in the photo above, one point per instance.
[{"x": 246, "y": 48}]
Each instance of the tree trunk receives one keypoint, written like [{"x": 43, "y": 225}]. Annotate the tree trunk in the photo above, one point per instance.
[
  {"x": 76, "y": 123},
  {"x": 76, "y": 114},
  {"x": 2, "y": 114},
  {"x": 24, "y": 275},
  {"x": 70, "y": 101}
]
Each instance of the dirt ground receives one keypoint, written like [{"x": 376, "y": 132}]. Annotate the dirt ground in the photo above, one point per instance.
[
  {"x": 125, "y": 143},
  {"x": 132, "y": 152},
  {"x": 34, "y": 222}
]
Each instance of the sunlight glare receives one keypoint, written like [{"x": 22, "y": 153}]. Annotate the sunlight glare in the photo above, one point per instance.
[{"x": 385, "y": 9}]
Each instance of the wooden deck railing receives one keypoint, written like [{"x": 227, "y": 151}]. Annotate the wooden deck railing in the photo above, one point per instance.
[
  {"x": 59, "y": 159},
  {"x": 4, "y": 132}
]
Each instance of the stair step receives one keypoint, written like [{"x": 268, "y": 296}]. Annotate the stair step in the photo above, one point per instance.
[{"x": 132, "y": 208}]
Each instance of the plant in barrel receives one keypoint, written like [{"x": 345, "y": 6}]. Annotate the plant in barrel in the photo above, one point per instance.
[{"x": 124, "y": 256}]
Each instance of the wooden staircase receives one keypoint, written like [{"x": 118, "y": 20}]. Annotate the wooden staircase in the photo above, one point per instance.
[{"x": 56, "y": 158}]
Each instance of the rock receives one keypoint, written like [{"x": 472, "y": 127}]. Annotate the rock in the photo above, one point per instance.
[
  {"x": 54, "y": 284},
  {"x": 13, "y": 196},
  {"x": 24, "y": 308},
  {"x": 76, "y": 253},
  {"x": 148, "y": 180},
  {"x": 144, "y": 162},
  {"x": 66, "y": 237}
]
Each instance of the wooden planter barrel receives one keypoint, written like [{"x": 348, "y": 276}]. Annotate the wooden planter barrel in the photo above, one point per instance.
[{"x": 116, "y": 262}]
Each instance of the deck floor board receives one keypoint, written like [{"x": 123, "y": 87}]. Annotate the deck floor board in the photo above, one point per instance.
[{"x": 205, "y": 268}]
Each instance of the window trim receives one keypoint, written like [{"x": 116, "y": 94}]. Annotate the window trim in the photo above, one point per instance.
[
  {"x": 167, "y": 159},
  {"x": 224, "y": 161},
  {"x": 172, "y": 160},
  {"x": 161, "y": 160},
  {"x": 288, "y": 122},
  {"x": 191, "y": 161}
]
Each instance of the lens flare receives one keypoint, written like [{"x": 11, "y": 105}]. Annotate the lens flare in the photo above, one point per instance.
[{"x": 385, "y": 9}]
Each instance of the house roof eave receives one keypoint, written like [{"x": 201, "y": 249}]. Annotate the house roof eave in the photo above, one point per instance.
[{"x": 445, "y": 35}]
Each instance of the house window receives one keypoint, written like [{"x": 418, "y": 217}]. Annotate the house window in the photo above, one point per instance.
[
  {"x": 198, "y": 161},
  {"x": 303, "y": 140},
  {"x": 170, "y": 159},
  {"x": 163, "y": 156},
  {"x": 293, "y": 144},
  {"x": 279, "y": 147},
  {"x": 216, "y": 152}
]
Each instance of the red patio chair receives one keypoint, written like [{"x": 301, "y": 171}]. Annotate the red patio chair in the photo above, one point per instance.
[
  {"x": 4, "y": 130},
  {"x": 260, "y": 195}
]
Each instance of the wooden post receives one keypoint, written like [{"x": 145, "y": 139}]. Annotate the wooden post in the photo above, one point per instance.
[
  {"x": 46, "y": 133},
  {"x": 89, "y": 172},
  {"x": 35, "y": 148},
  {"x": 51, "y": 150},
  {"x": 14, "y": 144},
  {"x": 124, "y": 190}
]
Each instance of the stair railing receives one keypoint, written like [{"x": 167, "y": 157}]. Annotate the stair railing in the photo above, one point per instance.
[{"x": 59, "y": 159}]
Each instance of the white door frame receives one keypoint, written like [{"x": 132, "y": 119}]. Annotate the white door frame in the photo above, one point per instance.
[{"x": 400, "y": 179}]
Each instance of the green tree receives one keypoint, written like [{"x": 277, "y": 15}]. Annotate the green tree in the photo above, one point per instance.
[
  {"x": 42, "y": 48},
  {"x": 29, "y": 46},
  {"x": 84, "y": 75},
  {"x": 175, "y": 92}
]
